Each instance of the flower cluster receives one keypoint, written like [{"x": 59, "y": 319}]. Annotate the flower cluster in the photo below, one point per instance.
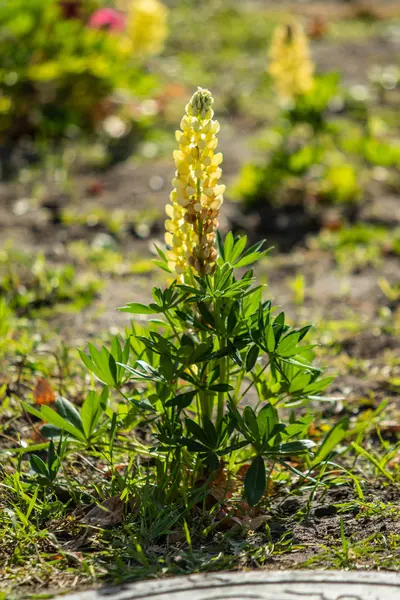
[
  {"x": 144, "y": 23},
  {"x": 197, "y": 195},
  {"x": 147, "y": 26},
  {"x": 290, "y": 64},
  {"x": 108, "y": 19}
]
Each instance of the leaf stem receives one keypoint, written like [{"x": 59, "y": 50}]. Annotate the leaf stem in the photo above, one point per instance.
[{"x": 256, "y": 378}]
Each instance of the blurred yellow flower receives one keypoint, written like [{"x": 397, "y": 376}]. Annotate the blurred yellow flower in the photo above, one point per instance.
[
  {"x": 290, "y": 63},
  {"x": 146, "y": 26},
  {"x": 197, "y": 195}
]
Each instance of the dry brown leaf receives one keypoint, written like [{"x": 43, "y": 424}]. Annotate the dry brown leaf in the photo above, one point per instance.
[
  {"x": 43, "y": 392},
  {"x": 317, "y": 27},
  {"x": 107, "y": 514},
  {"x": 256, "y": 522},
  {"x": 221, "y": 487}
]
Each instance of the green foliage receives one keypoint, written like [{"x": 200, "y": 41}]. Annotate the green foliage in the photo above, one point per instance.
[
  {"x": 216, "y": 345},
  {"x": 47, "y": 472},
  {"x": 30, "y": 285},
  {"x": 360, "y": 245},
  {"x": 56, "y": 73},
  {"x": 309, "y": 161},
  {"x": 340, "y": 184},
  {"x": 85, "y": 426},
  {"x": 311, "y": 108}
]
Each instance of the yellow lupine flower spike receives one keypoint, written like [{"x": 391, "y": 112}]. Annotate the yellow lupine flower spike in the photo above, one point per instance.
[
  {"x": 290, "y": 63},
  {"x": 197, "y": 195},
  {"x": 146, "y": 26}
]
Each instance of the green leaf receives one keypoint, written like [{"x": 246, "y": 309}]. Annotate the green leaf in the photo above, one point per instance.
[
  {"x": 197, "y": 431},
  {"x": 26, "y": 449},
  {"x": 238, "y": 248},
  {"x": 50, "y": 431},
  {"x": 162, "y": 265},
  {"x": 270, "y": 339},
  {"x": 142, "y": 404},
  {"x": 228, "y": 246},
  {"x": 373, "y": 461},
  {"x": 136, "y": 308},
  {"x": 90, "y": 413},
  {"x": 287, "y": 345},
  {"x": 220, "y": 245},
  {"x": 67, "y": 410},
  {"x": 267, "y": 418},
  {"x": 160, "y": 253},
  {"x": 318, "y": 386},
  {"x": 213, "y": 376},
  {"x": 210, "y": 432},
  {"x": 251, "y": 357},
  {"x": 194, "y": 446},
  {"x": 249, "y": 259},
  {"x": 303, "y": 331},
  {"x": 89, "y": 364},
  {"x": 212, "y": 461},
  {"x": 331, "y": 440},
  {"x": 201, "y": 352},
  {"x": 250, "y": 420},
  {"x": 38, "y": 465},
  {"x": 182, "y": 401},
  {"x": 230, "y": 449},
  {"x": 167, "y": 367},
  {"x": 280, "y": 320},
  {"x": 221, "y": 387},
  {"x": 55, "y": 419},
  {"x": 206, "y": 313},
  {"x": 297, "y": 447},
  {"x": 33, "y": 411},
  {"x": 255, "y": 481}
]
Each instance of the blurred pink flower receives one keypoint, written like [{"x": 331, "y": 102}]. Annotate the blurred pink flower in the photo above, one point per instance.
[{"x": 107, "y": 18}]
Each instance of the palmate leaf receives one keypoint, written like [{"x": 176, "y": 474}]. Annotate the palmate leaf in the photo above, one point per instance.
[
  {"x": 103, "y": 363},
  {"x": 92, "y": 409},
  {"x": 197, "y": 432},
  {"x": 52, "y": 417},
  {"x": 232, "y": 251},
  {"x": 147, "y": 373}
]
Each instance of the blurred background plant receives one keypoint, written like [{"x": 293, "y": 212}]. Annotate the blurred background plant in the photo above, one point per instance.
[
  {"x": 319, "y": 155},
  {"x": 70, "y": 68}
]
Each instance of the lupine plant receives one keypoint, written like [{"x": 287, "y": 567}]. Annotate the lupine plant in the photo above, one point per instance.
[
  {"x": 215, "y": 363},
  {"x": 307, "y": 160}
]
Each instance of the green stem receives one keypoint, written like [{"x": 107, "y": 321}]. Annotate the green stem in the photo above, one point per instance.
[
  {"x": 171, "y": 322},
  {"x": 256, "y": 378},
  {"x": 205, "y": 404},
  {"x": 223, "y": 378},
  {"x": 236, "y": 391}
]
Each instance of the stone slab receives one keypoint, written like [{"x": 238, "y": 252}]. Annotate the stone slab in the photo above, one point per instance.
[{"x": 257, "y": 585}]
